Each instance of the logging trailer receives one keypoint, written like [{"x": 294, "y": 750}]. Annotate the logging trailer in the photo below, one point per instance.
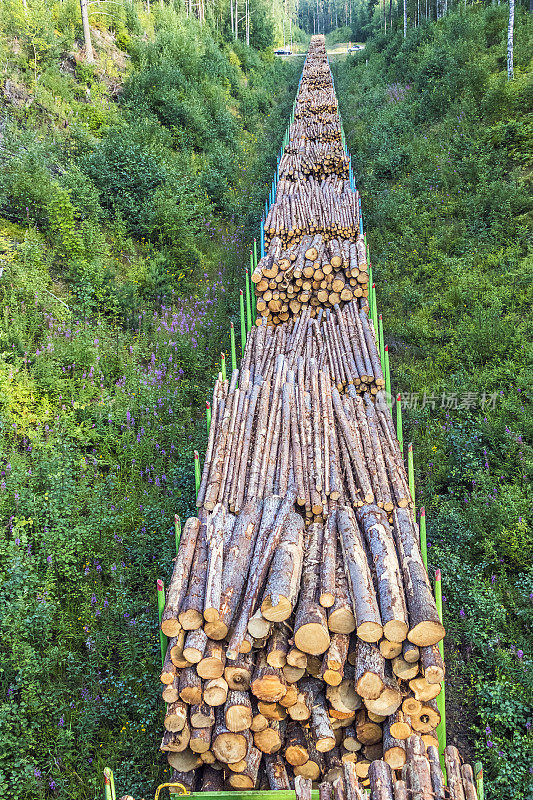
[{"x": 286, "y": 233}]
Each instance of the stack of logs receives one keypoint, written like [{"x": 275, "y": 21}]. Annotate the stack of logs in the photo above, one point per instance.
[
  {"x": 328, "y": 207},
  {"x": 296, "y": 409},
  {"x": 314, "y": 253},
  {"x": 300, "y": 615},
  {"x": 312, "y": 273},
  {"x": 317, "y": 643},
  {"x": 302, "y": 628},
  {"x": 421, "y": 778}
]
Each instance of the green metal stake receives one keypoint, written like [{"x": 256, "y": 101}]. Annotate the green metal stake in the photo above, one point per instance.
[
  {"x": 177, "y": 531},
  {"x": 161, "y": 607},
  {"x": 441, "y": 698},
  {"x": 423, "y": 539},
  {"x": 248, "y": 302},
  {"x": 223, "y": 365},
  {"x": 387, "y": 378},
  {"x": 197, "y": 476},
  {"x": 411, "y": 473},
  {"x": 381, "y": 341},
  {"x": 243, "y": 321},
  {"x": 253, "y": 260},
  {"x": 374, "y": 308},
  {"x": 108, "y": 786},
  {"x": 399, "y": 423},
  {"x": 478, "y": 772},
  {"x": 208, "y": 416},
  {"x": 232, "y": 346}
]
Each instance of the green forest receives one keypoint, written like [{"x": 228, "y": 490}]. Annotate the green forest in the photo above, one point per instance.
[{"x": 131, "y": 190}]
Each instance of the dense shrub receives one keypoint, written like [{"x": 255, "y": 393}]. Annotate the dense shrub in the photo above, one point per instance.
[{"x": 130, "y": 191}]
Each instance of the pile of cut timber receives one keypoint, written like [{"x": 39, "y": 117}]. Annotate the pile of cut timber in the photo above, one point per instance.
[
  {"x": 310, "y": 274},
  {"x": 421, "y": 777},
  {"x": 302, "y": 627},
  {"x": 314, "y": 255},
  {"x": 282, "y": 414},
  {"x": 328, "y": 207}
]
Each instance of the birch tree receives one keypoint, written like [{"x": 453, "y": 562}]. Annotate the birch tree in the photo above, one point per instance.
[
  {"x": 510, "y": 36},
  {"x": 84, "y": 5}
]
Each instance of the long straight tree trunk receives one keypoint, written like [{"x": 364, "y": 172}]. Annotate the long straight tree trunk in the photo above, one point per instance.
[
  {"x": 404, "y": 18},
  {"x": 510, "y": 35},
  {"x": 87, "y": 31}
]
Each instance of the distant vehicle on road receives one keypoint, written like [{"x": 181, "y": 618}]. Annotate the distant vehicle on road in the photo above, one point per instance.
[
  {"x": 282, "y": 52},
  {"x": 354, "y": 48}
]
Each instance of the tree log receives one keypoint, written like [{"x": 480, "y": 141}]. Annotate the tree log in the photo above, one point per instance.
[
  {"x": 367, "y": 615},
  {"x": 177, "y": 589}
]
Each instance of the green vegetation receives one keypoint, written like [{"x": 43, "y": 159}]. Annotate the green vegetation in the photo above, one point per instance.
[
  {"x": 130, "y": 190},
  {"x": 441, "y": 144}
]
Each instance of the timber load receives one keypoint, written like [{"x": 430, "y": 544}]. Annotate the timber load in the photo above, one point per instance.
[
  {"x": 302, "y": 629},
  {"x": 314, "y": 253},
  {"x": 421, "y": 777},
  {"x": 310, "y": 274}
]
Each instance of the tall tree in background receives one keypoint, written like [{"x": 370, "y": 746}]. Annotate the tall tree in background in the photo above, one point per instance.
[
  {"x": 510, "y": 35},
  {"x": 84, "y": 5},
  {"x": 404, "y": 18}
]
